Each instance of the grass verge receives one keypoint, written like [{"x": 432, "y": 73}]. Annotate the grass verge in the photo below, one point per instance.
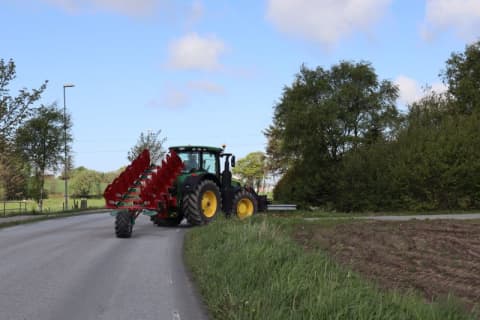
[
  {"x": 254, "y": 270},
  {"x": 50, "y": 205}
]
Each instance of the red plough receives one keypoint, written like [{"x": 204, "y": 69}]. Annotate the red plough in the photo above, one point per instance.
[
  {"x": 116, "y": 191},
  {"x": 155, "y": 193},
  {"x": 145, "y": 186}
]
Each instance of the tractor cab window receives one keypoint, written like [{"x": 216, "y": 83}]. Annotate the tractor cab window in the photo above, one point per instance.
[
  {"x": 190, "y": 161},
  {"x": 209, "y": 163}
]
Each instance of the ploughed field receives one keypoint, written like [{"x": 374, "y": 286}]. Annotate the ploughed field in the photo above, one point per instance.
[{"x": 433, "y": 257}]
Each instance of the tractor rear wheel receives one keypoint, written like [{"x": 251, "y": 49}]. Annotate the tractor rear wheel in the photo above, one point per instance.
[
  {"x": 244, "y": 204},
  {"x": 202, "y": 205},
  {"x": 124, "y": 224}
]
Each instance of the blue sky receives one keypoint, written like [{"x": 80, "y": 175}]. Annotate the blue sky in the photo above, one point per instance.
[{"x": 209, "y": 72}]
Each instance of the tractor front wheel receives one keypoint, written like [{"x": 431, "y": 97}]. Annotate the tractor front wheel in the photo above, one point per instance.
[
  {"x": 202, "y": 205},
  {"x": 124, "y": 224},
  {"x": 244, "y": 204}
]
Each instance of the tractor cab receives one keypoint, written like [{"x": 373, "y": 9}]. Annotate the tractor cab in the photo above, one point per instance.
[{"x": 199, "y": 159}]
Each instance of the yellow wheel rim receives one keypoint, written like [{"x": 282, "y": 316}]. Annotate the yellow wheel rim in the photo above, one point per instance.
[
  {"x": 244, "y": 208},
  {"x": 209, "y": 204}
]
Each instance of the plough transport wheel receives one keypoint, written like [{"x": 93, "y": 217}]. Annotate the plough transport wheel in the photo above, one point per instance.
[{"x": 123, "y": 224}]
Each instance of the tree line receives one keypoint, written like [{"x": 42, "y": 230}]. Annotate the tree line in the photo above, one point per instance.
[
  {"x": 339, "y": 141},
  {"x": 32, "y": 138},
  {"x": 32, "y": 144}
]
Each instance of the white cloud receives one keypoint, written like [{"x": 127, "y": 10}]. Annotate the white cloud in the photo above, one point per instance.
[
  {"x": 172, "y": 98},
  {"x": 179, "y": 96},
  {"x": 126, "y": 7},
  {"x": 463, "y": 16},
  {"x": 438, "y": 87},
  {"x": 206, "y": 86},
  {"x": 324, "y": 21},
  {"x": 176, "y": 98},
  {"x": 195, "y": 13},
  {"x": 411, "y": 90},
  {"x": 195, "y": 52}
]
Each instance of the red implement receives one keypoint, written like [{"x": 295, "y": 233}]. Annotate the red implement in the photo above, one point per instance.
[
  {"x": 116, "y": 191},
  {"x": 145, "y": 186}
]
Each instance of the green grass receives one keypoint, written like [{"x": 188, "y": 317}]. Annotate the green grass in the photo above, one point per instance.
[
  {"x": 50, "y": 205},
  {"x": 13, "y": 207},
  {"x": 55, "y": 187},
  {"x": 56, "y": 204},
  {"x": 254, "y": 270}
]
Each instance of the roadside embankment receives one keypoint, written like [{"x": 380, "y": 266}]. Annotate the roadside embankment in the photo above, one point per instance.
[{"x": 256, "y": 270}]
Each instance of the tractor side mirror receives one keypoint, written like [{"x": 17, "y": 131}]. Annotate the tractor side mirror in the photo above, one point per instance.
[{"x": 233, "y": 161}]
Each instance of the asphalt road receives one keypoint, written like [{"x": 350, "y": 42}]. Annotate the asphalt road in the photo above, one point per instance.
[{"x": 75, "y": 268}]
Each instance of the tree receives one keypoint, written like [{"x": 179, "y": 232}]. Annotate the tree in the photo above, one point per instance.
[
  {"x": 151, "y": 141},
  {"x": 14, "y": 110},
  {"x": 14, "y": 175},
  {"x": 322, "y": 116},
  {"x": 436, "y": 164},
  {"x": 462, "y": 75},
  {"x": 41, "y": 141},
  {"x": 70, "y": 166},
  {"x": 332, "y": 111},
  {"x": 86, "y": 182},
  {"x": 108, "y": 177},
  {"x": 277, "y": 161},
  {"x": 252, "y": 169}
]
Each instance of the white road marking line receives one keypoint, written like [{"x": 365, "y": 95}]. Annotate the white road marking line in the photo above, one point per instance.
[{"x": 176, "y": 315}]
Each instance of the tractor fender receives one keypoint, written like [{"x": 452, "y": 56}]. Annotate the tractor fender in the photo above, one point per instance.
[{"x": 190, "y": 184}]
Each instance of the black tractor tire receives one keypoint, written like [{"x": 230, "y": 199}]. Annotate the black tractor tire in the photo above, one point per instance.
[
  {"x": 168, "y": 222},
  {"x": 203, "y": 204},
  {"x": 123, "y": 224},
  {"x": 244, "y": 204}
]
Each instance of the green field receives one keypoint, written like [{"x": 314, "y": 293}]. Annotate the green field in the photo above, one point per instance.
[
  {"x": 50, "y": 205},
  {"x": 55, "y": 187},
  {"x": 254, "y": 270}
]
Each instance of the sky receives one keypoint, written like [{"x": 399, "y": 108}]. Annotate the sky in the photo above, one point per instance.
[{"x": 210, "y": 72}]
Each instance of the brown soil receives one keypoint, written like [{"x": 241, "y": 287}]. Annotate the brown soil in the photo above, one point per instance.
[{"x": 435, "y": 257}]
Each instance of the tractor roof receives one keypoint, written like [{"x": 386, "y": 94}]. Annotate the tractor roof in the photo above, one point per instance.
[{"x": 196, "y": 148}]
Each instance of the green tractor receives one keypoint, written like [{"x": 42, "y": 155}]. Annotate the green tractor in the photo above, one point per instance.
[{"x": 190, "y": 183}]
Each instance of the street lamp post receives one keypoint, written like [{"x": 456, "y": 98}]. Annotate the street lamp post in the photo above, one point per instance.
[{"x": 67, "y": 85}]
